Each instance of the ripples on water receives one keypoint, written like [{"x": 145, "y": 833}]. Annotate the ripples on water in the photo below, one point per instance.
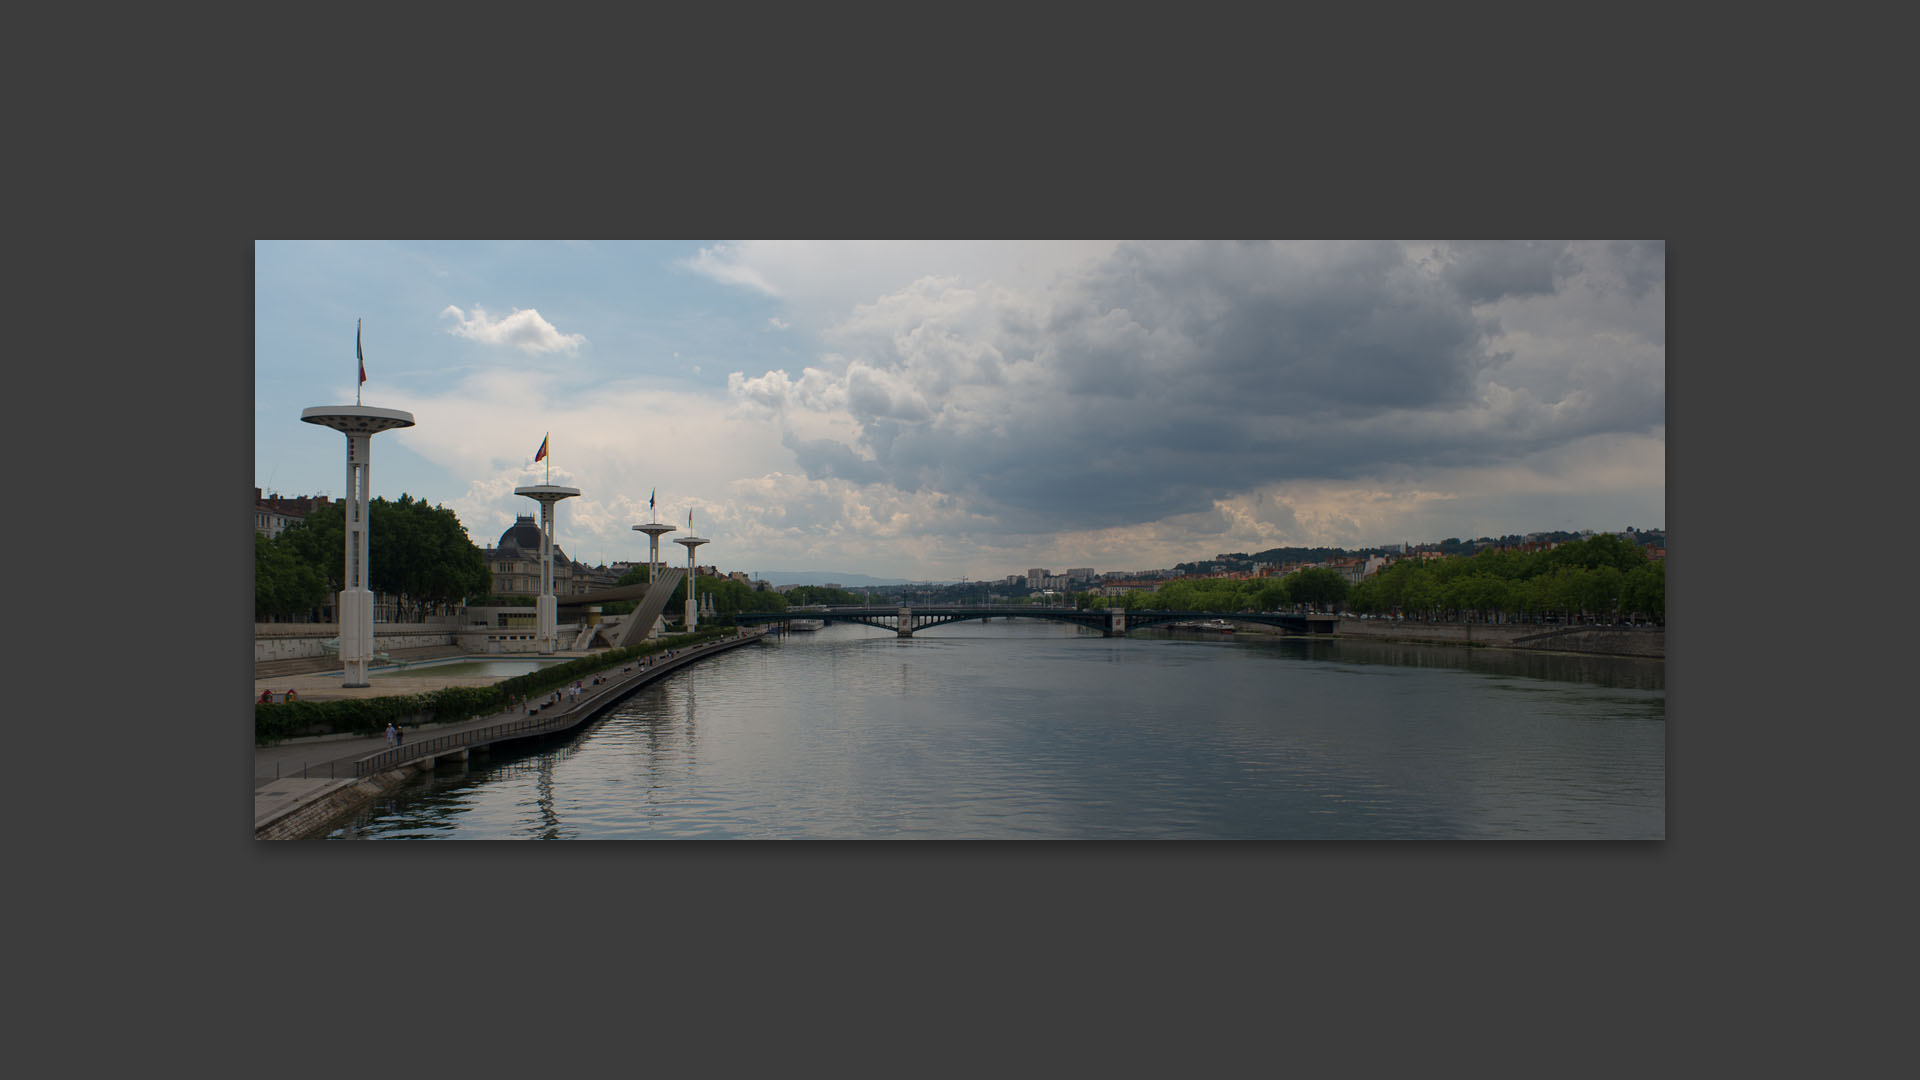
[{"x": 1017, "y": 730}]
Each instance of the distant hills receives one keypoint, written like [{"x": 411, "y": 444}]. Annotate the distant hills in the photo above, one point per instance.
[{"x": 831, "y": 577}]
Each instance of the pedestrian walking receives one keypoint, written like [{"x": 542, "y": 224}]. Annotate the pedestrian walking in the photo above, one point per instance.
[
  {"x": 390, "y": 741},
  {"x": 399, "y": 735}
]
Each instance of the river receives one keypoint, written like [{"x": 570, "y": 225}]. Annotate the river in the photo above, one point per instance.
[{"x": 1037, "y": 730}]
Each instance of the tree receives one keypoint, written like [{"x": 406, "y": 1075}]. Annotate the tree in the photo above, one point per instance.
[
  {"x": 319, "y": 540},
  {"x": 424, "y": 557},
  {"x": 804, "y": 595},
  {"x": 419, "y": 554},
  {"x": 283, "y": 585},
  {"x": 1272, "y": 594},
  {"x": 1319, "y": 587},
  {"x": 1646, "y": 590},
  {"x": 1600, "y": 589},
  {"x": 732, "y": 597}
]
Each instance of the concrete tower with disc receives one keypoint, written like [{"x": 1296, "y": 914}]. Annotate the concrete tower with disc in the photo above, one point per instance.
[
  {"x": 546, "y": 636},
  {"x": 654, "y": 530},
  {"x": 359, "y": 423},
  {"x": 692, "y": 542}
]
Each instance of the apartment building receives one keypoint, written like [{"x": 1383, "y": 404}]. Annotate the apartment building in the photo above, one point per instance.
[{"x": 272, "y": 514}]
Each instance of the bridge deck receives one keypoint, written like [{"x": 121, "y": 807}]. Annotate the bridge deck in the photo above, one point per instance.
[{"x": 1098, "y": 619}]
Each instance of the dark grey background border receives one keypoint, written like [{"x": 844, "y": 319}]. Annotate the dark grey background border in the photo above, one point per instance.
[{"x": 1174, "y": 955}]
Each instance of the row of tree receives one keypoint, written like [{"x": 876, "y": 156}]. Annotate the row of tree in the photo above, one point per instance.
[
  {"x": 1315, "y": 588},
  {"x": 419, "y": 554},
  {"x": 1601, "y": 577}
]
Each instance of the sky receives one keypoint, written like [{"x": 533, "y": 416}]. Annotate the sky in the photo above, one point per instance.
[{"x": 971, "y": 409}]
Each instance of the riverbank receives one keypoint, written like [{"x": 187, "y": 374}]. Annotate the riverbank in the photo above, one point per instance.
[
  {"x": 1636, "y": 641},
  {"x": 303, "y": 784}
]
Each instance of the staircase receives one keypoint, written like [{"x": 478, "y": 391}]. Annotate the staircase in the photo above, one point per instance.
[{"x": 647, "y": 612}]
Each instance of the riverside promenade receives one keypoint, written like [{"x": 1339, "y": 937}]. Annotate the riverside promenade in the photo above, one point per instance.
[{"x": 297, "y": 781}]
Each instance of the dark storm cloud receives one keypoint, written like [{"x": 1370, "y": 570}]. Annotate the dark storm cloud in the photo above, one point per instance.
[
  {"x": 1262, "y": 329},
  {"x": 1171, "y": 375},
  {"x": 1642, "y": 264},
  {"x": 1486, "y": 270},
  {"x": 824, "y": 457}
]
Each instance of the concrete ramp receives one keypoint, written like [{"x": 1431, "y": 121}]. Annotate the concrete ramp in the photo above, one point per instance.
[{"x": 648, "y": 611}]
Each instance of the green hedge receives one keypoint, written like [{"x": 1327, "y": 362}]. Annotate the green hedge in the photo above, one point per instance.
[{"x": 370, "y": 716}]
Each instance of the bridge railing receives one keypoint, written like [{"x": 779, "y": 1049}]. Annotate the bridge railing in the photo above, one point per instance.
[{"x": 431, "y": 746}]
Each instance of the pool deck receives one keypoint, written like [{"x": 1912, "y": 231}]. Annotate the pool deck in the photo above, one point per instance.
[{"x": 325, "y": 686}]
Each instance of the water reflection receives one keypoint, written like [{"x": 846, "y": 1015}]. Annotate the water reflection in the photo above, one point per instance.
[
  {"x": 1616, "y": 671},
  {"x": 1025, "y": 729},
  {"x": 543, "y": 798}
]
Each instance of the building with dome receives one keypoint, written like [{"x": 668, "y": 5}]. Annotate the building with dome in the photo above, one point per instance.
[
  {"x": 515, "y": 561},
  {"x": 515, "y": 564}
]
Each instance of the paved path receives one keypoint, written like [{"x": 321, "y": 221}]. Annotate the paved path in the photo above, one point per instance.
[{"x": 290, "y": 774}]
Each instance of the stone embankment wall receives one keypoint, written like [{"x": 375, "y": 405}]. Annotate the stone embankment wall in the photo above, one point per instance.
[
  {"x": 302, "y": 641},
  {"x": 1600, "y": 640},
  {"x": 305, "y": 820}
]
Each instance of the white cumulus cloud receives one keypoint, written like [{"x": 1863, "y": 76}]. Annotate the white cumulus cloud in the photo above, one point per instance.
[
  {"x": 522, "y": 329},
  {"x": 722, "y": 264}
]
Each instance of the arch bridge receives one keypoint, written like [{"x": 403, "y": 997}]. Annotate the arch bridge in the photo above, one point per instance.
[{"x": 1110, "y": 622}]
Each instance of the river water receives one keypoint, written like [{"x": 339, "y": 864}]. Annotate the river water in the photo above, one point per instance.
[{"x": 1032, "y": 730}]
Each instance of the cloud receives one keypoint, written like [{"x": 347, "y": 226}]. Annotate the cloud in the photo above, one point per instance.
[
  {"x": 1167, "y": 380},
  {"x": 1487, "y": 270},
  {"x": 721, "y": 263},
  {"x": 819, "y": 281},
  {"x": 523, "y": 329},
  {"x": 975, "y": 410}
]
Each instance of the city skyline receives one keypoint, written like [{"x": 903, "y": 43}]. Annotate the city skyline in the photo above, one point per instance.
[{"x": 937, "y": 411}]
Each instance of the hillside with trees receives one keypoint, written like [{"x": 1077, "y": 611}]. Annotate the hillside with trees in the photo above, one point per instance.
[
  {"x": 1601, "y": 578},
  {"x": 808, "y": 595}
]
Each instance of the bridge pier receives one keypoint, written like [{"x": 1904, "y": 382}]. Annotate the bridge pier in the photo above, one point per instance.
[
  {"x": 1116, "y": 623},
  {"x": 904, "y": 626}
]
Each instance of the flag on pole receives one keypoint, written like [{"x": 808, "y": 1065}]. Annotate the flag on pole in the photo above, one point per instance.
[
  {"x": 543, "y": 448},
  {"x": 357, "y": 355},
  {"x": 650, "y": 496}
]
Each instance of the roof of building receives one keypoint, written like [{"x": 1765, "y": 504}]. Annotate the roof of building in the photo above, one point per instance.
[{"x": 524, "y": 534}]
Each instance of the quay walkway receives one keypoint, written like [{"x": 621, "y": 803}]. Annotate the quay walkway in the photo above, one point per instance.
[{"x": 292, "y": 776}]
